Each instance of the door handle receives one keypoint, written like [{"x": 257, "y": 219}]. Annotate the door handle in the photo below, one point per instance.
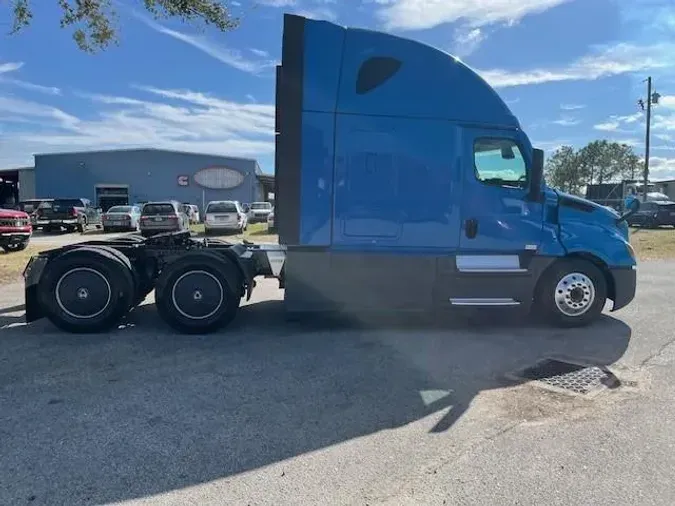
[{"x": 471, "y": 228}]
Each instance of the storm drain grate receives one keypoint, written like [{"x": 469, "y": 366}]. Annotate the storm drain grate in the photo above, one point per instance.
[{"x": 570, "y": 377}]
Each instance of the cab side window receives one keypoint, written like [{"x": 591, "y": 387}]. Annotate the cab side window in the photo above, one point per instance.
[{"x": 499, "y": 162}]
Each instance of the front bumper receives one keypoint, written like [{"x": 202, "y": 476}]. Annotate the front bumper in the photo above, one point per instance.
[
  {"x": 7, "y": 238},
  {"x": 625, "y": 284},
  {"x": 257, "y": 218},
  {"x": 46, "y": 223},
  {"x": 223, "y": 226}
]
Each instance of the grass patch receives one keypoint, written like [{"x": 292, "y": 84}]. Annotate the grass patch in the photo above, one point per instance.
[
  {"x": 255, "y": 232},
  {"x": 656, "y": 244},
  {"x": 13, "y": 264}
]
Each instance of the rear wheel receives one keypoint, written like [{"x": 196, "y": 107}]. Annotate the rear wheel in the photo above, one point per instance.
[
  {"x": 199, "y": 293},
  {"x": 572, "y": 293},
  {"x": 86, "y": 290}
]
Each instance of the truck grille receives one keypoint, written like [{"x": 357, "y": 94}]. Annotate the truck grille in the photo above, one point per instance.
[{"x": 14, "y": 222}]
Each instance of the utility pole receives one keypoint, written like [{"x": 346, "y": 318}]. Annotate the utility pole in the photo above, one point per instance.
[
  {"x": 652, "y": 98},
  {"x": 647, "y": 137}
]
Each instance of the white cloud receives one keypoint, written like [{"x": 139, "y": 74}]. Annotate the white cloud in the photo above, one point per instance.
[
  {"x": 276, "y": 3},
  {"x": 320, "y": 13},
  {"x": 424, "y": 14},
  {"x": 661, "y": 122},
  {"x": 572, "y": 107},
  {"x": 607, "y": 126},
  {"x": 567, "y": 121},
  {"x": 614, "y": 123},
  {"x": 605, "y": 61},
  {"x": 260, "y": 52},
  {"x": 172, "y": 119},
  {"x": 10, "y": 67},
  {"x": 661, "y": 168},
  {"x": 467, "y": 41},
  {"x": 552, "y": 145},
  {"x": 49, "y": 90},
  {"x": 231, "y": 57},
  {"x": 667, "y": 101}
]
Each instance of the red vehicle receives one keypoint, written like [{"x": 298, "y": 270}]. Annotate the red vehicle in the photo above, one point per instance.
[{"x": 15, "y": 230}]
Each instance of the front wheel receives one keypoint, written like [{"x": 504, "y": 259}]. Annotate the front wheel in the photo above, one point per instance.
[{"x": 572, "y": 293}]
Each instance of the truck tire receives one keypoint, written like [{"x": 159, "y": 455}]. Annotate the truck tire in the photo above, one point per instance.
[
  {"x": 86, "y": 290},
  {"x": 199, "y": 293},
  {"x": 572, "y": 293}
]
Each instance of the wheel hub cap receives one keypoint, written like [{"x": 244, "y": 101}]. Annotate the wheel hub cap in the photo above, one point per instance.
[
  {"x": 574, "y": 294},
  {"x": 83, "y": 293},
  {"x": 197, "y": 295}
]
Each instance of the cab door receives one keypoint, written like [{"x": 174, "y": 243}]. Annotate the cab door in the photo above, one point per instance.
[{"x": 499, "y": 223}]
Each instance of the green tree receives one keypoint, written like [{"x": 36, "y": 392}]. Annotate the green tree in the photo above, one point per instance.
[
  {"x": 93, "y": 21},
  {"x": 606, "y": 161},
  {"x": 563, "y": 170},
  {"x": 599, "y": 161}
]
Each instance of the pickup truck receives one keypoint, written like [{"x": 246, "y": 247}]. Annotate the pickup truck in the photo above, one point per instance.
[
  {"x": 71, "y": 214},
  {"x": 15, "y": 230}
]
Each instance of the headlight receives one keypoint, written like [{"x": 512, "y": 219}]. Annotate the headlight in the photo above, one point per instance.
[{"x": 631, "y": 251}]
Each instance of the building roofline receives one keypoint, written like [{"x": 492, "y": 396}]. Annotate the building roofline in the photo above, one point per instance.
[
  {"x": 14, "y": 169},
  {"x": 56, "y": 153}
]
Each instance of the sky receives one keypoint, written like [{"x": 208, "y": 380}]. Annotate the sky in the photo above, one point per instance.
[{"x": 572, "y": 71}]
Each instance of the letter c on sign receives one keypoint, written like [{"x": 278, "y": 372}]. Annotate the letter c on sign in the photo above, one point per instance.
[{"x": 183, "y": 180}]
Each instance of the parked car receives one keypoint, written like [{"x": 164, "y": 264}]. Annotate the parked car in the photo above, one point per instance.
[
  {"x": 15, "y": 230},
  {"x": 122, "y": 218},
  {"x": 224, "y": 216},
  {"x": 654, "y": 214},
  {"x": 161, "y": 217},
  {"x": 71, "y": 214},
  {"x": 259, "y": 211},
  {"x": 271, "y": 225},
  {"x": 30, "y": 207}
]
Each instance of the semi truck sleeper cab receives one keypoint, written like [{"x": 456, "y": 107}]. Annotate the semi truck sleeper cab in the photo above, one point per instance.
[{"x": 404, "y": 183}]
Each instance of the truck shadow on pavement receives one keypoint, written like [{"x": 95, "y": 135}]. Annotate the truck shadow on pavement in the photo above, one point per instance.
[{"x": 142, "y": 411}]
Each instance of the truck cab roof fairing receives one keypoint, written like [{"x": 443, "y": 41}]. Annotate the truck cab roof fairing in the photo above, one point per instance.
[{"x": 427, "y": 83}]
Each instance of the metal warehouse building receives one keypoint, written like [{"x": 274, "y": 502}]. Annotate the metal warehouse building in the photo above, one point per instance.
[{"x": 131, "y": 176}]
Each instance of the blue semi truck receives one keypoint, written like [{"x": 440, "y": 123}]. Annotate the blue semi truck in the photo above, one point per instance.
[{"x": 404, "y": 183}]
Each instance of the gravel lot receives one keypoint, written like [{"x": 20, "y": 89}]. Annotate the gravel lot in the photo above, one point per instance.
[{"x": 275, "y": 413}]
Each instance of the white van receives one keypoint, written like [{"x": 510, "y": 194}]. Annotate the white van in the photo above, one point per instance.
[{"x": 224, "y": 216}]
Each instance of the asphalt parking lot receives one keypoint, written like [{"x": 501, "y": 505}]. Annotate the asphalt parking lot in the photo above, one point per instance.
[{"x": 271, "y": 412}]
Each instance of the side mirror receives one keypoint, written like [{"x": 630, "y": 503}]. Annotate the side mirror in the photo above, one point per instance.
[
  {"x": 536, "y": 174},
  {"x": 633, "y": 207},
  {"x": 507, "y": 153}
]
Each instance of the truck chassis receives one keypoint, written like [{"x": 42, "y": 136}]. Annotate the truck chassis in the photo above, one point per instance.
[{"x": 198, "y": 282}]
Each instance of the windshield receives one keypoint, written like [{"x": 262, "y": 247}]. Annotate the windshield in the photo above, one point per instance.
[
  {"x": 120, "y": 209},
  {"x": 222, "y": 207},
  {"x": 261, "y": 205},
  {"x": 158, "y": 209}
]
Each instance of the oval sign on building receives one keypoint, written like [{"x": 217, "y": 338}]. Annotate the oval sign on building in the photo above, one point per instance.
[{"x": 218, "y": 178}]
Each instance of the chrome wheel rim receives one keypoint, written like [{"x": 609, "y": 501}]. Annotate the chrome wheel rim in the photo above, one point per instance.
[{"x": 574, "y": 294}]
